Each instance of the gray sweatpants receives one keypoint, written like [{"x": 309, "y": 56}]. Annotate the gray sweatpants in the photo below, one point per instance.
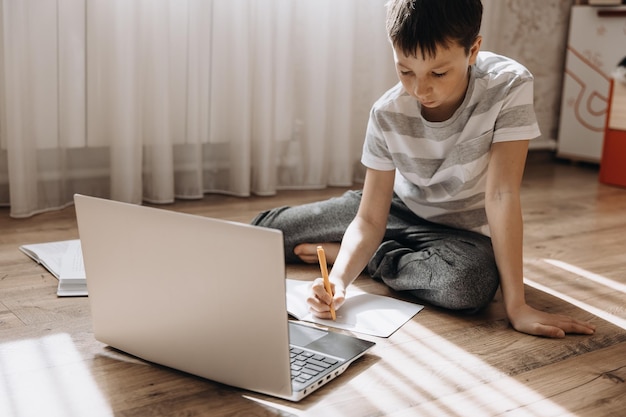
[{"x": 440, "y": 265}]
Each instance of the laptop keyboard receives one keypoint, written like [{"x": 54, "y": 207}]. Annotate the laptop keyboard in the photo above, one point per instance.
[{"x": 307, "y": 365}]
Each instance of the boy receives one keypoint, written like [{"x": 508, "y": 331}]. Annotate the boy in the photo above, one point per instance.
[{"x": 439, "y": 215}]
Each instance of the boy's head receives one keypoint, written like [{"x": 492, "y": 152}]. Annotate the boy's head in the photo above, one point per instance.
[{"x": 424, "y": 25}]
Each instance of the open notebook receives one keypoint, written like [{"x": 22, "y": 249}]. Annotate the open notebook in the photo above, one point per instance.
[{"x": 64, "y": 260}]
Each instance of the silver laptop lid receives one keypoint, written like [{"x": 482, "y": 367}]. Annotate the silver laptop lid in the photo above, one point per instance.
[{"x": 189, "y": 292}]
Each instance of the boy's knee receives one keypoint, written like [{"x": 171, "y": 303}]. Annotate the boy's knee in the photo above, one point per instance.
[
  {"x": 471, "y": 288},
  {"x": 269, "y": 218},
  {"x": 458, "y": 277},
  {"x": 473, "y": 280}
]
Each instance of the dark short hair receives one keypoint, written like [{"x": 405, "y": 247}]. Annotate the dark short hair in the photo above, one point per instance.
[{"x": 423, "y": 25}]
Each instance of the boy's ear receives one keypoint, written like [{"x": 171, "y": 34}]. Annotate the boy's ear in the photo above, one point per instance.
[{"x": 474, "y": 50}]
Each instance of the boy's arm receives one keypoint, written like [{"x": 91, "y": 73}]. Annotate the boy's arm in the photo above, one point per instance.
[
  {"x": 360, "y": 241},
  {"x": 504, "y": 213}
]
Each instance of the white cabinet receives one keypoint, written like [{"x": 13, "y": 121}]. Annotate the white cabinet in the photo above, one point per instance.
[{"x": 596, "y": 44}]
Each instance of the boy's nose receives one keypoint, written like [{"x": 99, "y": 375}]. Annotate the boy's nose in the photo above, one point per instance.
[{"x": 420, "y": 89}]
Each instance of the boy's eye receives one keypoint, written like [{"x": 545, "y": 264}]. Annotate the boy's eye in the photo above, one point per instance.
[
  {"x": 406, "y": 73},
  {"x": 439, "y": 74}
]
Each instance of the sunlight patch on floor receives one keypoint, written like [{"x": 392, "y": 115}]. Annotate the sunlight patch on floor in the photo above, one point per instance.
[
  {"x": 459, "y": 383},
  {"x": 47, "y": 377},
  {"x": 599, "y": 279},
  {"x": 430, "y": 377},
  {"x": 599, "y": 312}
]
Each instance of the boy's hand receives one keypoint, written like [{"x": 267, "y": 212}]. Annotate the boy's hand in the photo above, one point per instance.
[
  {"x": 319, "y": 300},
  {"x": 527, "y": 319}
]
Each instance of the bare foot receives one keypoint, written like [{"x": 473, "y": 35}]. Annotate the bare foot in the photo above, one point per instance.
[{"x": 308, "y": 252}]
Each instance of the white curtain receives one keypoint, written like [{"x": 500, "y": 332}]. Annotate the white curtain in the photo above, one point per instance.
[{"x": 152, "y": 100}]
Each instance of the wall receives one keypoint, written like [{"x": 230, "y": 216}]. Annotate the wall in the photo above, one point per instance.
[{"x": 534, "y": 32}]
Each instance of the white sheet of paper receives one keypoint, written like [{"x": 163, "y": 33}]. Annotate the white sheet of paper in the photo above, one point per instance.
[{"x": 362, "y": 312}]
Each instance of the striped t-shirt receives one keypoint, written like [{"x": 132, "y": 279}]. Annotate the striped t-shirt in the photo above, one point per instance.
[{"x": 441, "y": 167}]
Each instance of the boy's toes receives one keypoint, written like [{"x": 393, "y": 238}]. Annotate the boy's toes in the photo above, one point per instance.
[{"x": 307, "y": 252}]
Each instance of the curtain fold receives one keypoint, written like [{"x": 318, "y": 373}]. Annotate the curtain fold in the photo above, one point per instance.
[{"x": 153, "y": 100}]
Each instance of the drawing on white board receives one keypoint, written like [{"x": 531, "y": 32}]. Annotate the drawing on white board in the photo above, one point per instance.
[{"x": 589, "y": 103}]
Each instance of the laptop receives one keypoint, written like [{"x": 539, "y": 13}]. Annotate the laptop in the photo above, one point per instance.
[{"x": 204, "y": 296}]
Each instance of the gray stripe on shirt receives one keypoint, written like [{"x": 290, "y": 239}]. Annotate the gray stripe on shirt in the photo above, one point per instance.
[
  {"x": 462, "y": 154},
  {"x": 518, "y": 116},
  {"x": 401, "y": 124}
]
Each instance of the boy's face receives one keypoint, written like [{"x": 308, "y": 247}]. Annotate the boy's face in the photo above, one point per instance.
[{"x": 438, "y": 83}]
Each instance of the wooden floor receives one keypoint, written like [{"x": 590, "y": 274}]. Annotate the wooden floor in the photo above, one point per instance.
[{"x": 439, "y": 364}]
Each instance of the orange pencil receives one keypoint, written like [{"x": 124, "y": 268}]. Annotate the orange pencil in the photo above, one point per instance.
[{"x": 322, "y": 258}]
